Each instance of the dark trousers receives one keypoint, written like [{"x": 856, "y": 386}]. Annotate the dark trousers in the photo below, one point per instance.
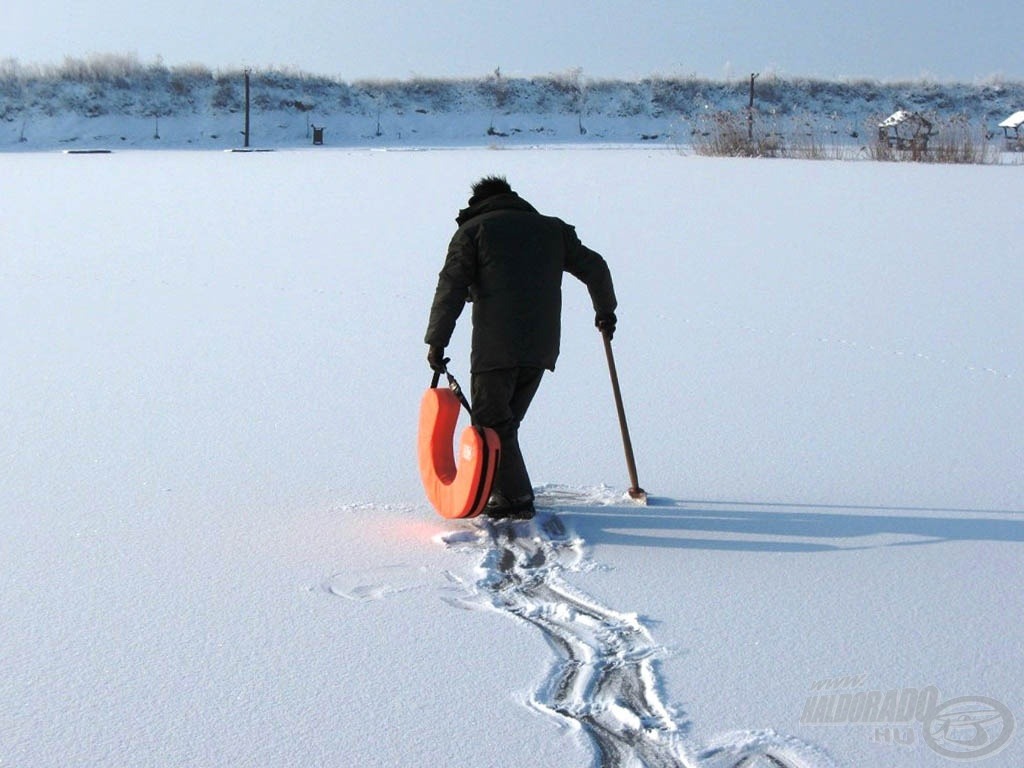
[{"x": 500, "y": 401}]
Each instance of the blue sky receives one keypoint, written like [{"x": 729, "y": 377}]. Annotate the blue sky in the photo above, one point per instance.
[{"x": 727, "y": 38}]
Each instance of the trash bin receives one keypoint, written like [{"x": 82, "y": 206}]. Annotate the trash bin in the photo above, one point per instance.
[{"x": 318, "y": 135}]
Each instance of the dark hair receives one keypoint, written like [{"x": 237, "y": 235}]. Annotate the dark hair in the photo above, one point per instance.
[{"x": 489, "y": 186}]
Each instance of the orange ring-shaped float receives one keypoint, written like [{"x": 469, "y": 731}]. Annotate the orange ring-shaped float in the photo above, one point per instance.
[{"x": 455, "y": 490}]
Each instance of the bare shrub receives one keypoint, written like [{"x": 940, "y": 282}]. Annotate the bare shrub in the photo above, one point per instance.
[
  {"x": 729, "y": 134},
  {"x": 961, "y": 143},
  {"x": 99, "y": 67},
  {"x": 192, "y": 71}
]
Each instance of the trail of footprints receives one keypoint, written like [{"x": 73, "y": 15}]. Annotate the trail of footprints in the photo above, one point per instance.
[{"x": 604, "y": 680}]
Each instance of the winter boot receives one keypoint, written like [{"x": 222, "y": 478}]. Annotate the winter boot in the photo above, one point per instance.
[{"x": 500, "y": 507}]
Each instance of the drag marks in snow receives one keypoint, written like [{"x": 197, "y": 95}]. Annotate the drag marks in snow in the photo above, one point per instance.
[
  {"x": 377, "y": 583},
  {"x": 604, "y": 680}
]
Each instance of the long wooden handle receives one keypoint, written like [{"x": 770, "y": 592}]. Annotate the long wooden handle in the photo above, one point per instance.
[{"x": 635, "y": 491}]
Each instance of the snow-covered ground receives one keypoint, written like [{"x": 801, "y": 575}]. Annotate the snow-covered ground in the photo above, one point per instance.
[{"x": 217, "y": 551}]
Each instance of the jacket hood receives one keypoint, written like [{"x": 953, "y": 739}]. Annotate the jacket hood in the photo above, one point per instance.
[{"x": 503, "y": 202}]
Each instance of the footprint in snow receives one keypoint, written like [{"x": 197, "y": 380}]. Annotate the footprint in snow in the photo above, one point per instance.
[{"x": 604, "y": 680}]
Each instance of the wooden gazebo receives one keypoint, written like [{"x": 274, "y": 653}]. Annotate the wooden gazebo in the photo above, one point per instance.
[
  {"x": 906, "y": 130},
  {"x": 1011, "y": 131}
]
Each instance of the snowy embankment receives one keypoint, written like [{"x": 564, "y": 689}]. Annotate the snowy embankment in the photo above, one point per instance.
[
  {"x": 217, "y": 551},
  {"x": 115, "y": 102}
]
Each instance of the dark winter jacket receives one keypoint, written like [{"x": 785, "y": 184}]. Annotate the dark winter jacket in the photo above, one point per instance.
[{"x": 508, "y": 260}]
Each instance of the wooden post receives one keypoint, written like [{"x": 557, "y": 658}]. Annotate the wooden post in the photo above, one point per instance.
[
  {"x": 750, "y": 108},
  {"x": 246, "y": 132}
]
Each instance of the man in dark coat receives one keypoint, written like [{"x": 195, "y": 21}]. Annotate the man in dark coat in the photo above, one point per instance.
[{"x": 508, "y": 260}]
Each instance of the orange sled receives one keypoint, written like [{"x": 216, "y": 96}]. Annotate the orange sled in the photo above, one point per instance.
[{"x": 455, "y": 491}]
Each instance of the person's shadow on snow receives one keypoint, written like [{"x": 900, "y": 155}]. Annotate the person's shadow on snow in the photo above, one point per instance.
[{"x": 782, "y": 527}]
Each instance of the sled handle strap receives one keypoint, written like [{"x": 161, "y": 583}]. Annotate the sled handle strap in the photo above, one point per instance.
[{"x": 453, "y": 385}]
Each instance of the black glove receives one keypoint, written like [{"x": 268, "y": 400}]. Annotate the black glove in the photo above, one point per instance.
[
  {"x": 436, "y": 359},
  {"x": 605, "y": 322}
]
